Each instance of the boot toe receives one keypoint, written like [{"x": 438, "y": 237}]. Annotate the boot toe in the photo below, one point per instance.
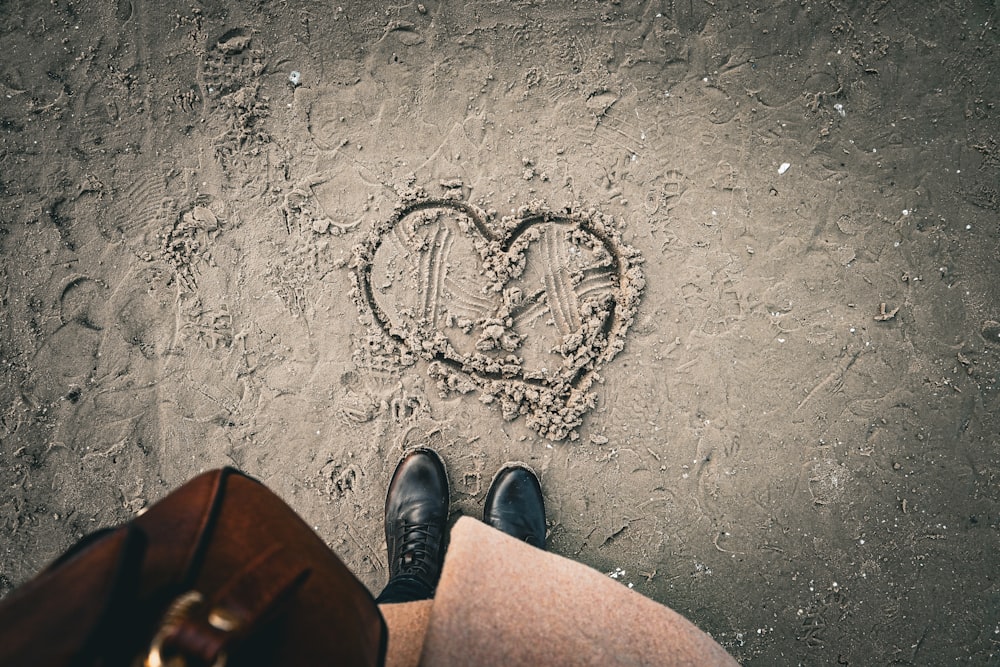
[
  {"x": 419, "y": 487},
  {"x": 515, "y": 506}
]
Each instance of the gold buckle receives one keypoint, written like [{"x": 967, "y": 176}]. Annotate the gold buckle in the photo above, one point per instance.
[{"x": 183, "y": 608}]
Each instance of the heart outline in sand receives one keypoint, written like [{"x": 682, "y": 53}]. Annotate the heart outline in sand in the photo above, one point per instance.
[{"x": 554, "y": 402}]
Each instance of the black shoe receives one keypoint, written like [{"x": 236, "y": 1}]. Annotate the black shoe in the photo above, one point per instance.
[
  {"x": 514, "y": 505},
  {"x": 416, "y": 515}
]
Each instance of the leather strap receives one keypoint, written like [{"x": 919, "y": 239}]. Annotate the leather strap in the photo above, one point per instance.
[
  {"x": 205, "y": 630},
  {"x": 197, "y": 556}
]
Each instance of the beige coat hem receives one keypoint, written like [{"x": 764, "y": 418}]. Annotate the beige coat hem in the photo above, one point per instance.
[{"x": 503, "y": 602}]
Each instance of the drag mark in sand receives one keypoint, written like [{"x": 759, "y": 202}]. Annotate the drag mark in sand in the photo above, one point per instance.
[{"x": 837, "y": 374}]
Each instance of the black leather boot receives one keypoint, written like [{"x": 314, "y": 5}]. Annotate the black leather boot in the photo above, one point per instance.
[
  {"x": 416, "y": 516},
  {"x": 514, "y": 504}
]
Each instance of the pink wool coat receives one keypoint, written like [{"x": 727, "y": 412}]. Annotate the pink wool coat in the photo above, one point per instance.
[{"x": 503, "y": 602}]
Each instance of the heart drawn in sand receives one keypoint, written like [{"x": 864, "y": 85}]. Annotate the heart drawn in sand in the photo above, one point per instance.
[{"x": 525, "y": 309}]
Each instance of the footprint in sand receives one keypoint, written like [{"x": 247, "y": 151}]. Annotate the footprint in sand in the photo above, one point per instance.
[{"x": 69, "y": 356}]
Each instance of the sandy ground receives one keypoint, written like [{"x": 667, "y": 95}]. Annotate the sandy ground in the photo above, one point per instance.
[{"x": 752, "y": 350}]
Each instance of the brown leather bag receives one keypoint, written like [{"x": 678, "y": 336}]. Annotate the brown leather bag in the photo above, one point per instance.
[{"x": 221, "y": 571}]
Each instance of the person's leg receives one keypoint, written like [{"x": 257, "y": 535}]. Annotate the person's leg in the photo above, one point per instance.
[
  {"x": 416, "y": 516},
  {"x": 514, "y": 504}
]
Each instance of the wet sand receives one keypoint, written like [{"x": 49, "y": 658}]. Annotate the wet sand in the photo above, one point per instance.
[{"x": 726, "y": 278}]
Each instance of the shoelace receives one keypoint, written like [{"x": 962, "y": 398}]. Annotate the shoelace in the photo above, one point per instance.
[{"x": 419, "y": 549}]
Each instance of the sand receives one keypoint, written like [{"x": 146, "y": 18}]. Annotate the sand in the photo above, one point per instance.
[{"x": 725, "y": 277}]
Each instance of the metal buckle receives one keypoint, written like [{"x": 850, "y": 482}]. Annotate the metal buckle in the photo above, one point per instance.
[{"x": 185, "y": 607}]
